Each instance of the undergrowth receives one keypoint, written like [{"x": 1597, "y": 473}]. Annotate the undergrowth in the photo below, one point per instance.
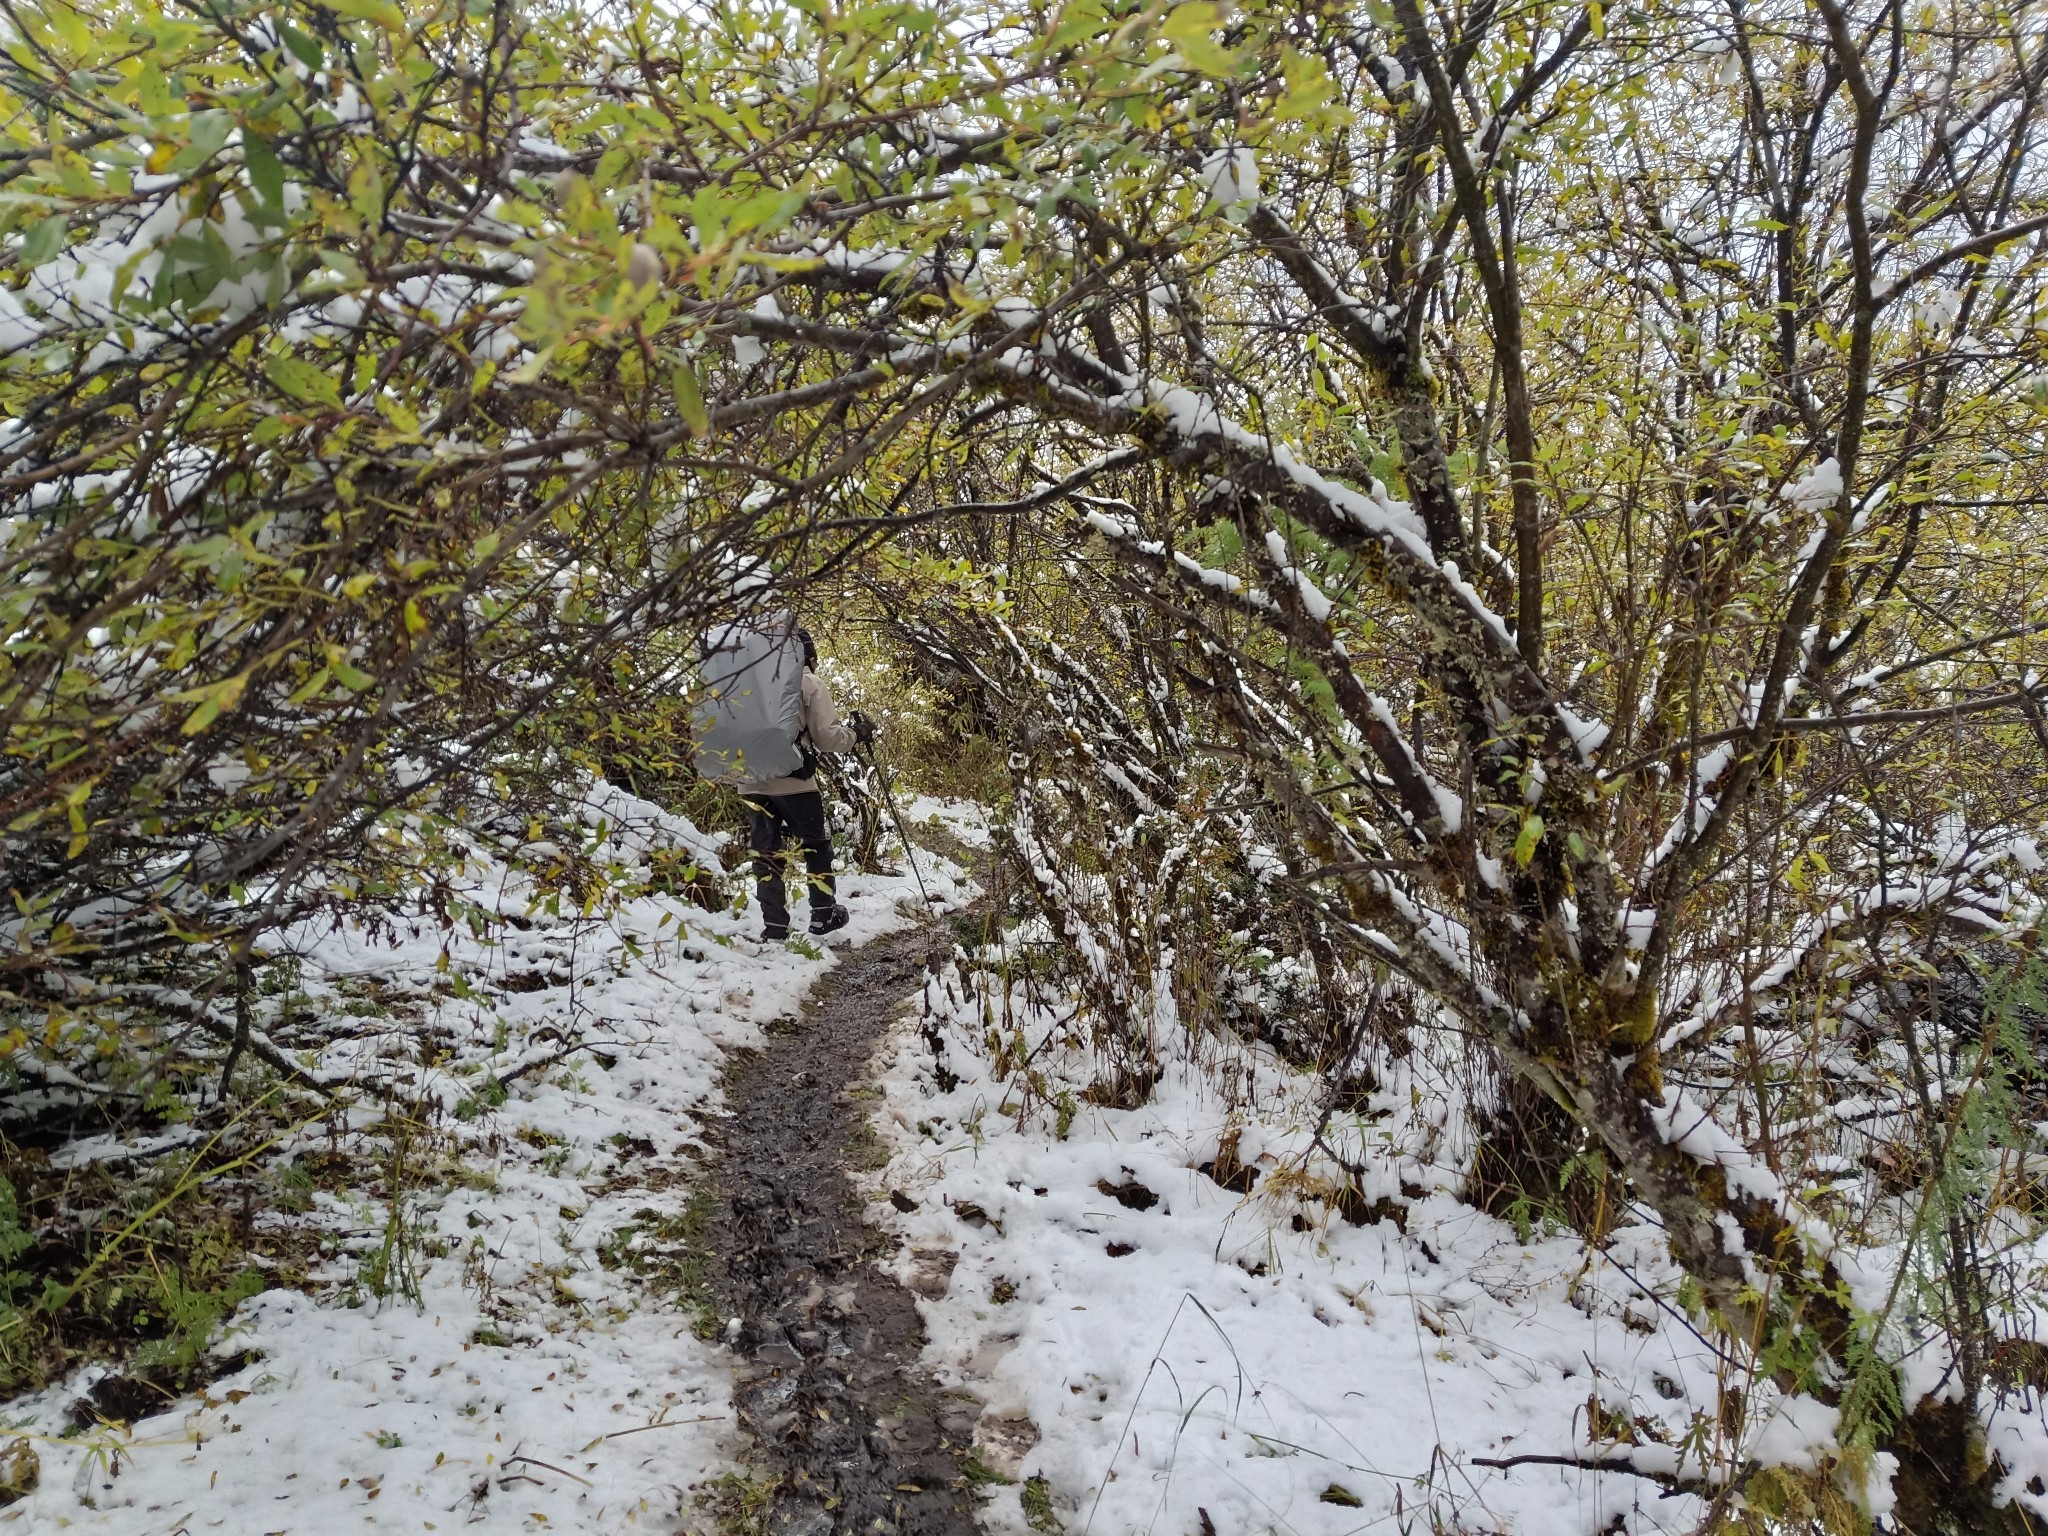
[
  {"x": 671, "y": 1252},
  {"x": 142, "y": 1268},
  {"x": 741, "y": 1505},
  {"x": 1036, "y": 1498}
]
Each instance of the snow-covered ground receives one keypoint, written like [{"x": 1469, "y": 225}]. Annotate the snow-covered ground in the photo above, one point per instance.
[
  {"x": 550, "y": 1376},
  {"x": 1160, "y": 1353},
  {"x": 1178, "y": 1317}
]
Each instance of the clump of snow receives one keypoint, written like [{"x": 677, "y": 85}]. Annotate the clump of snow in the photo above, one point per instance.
[
  {"x": 1816, "y": 490},
  {"x": 93, "y": 287},
  {"x": 1939, "y": 307},
  {"x": 746, "y": 350},
  {"x": 1637, "y": 924},
  {"x": 1313, "y": 600},
  {"x": 964, "y": 822},
  {"x": 1231, "y": 176},
  {"x": 1706, "y": 775},
  {"x": 1800, "y": 1432},
  {"x": 1587, "y": 735}
]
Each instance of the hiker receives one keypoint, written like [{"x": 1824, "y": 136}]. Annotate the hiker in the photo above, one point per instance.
[{"x": 790, "y": 806}]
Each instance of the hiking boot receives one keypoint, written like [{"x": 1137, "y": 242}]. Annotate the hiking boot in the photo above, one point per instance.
[
  {"x": 774, "y": 933},
  {"x": 829, "y": 919}
]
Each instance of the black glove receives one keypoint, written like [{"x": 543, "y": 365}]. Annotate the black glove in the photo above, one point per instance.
[{"x": 863, "y": 728}]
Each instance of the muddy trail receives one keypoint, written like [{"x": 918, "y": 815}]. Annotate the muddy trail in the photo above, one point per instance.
[{"x": 858, "y": 1438}]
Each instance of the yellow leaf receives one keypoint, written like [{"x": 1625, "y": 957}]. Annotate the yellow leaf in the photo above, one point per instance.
[
  {"x": 70, "y": 26},
  {"x": 214, "y": 698},
  {"x": 1188, "y": 27},
  {"x": 366, "y": 192},
  {"x": 382, "y": 12}
]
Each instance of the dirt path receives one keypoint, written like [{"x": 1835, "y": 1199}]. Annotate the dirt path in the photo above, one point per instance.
[{"x": 861, "y": 1440}]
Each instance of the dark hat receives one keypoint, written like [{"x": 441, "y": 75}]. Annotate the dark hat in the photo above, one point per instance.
[{"x": 810, "y": 648}]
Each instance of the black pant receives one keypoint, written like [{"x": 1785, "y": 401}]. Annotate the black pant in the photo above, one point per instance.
[{"x": 772, "y": 820}]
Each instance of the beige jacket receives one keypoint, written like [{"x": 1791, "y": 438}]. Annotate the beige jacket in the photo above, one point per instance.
[{"x": 823, "y": 731}]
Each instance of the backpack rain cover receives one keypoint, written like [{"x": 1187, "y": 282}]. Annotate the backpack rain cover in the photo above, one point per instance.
[{"x": 750, "y": 710}]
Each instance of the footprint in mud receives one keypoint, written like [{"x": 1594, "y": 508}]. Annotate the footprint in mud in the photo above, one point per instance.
[{"x": 857, "y": 1435}]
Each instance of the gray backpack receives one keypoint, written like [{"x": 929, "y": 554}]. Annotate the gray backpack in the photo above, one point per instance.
[{"x": 749, "y": 711}]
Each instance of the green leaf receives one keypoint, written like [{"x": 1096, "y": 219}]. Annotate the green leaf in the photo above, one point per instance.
[
  {"x": 303, "y": 381},
  {"x": 44, "y": 241},
  {"x": 767, "y": 211},
  {"x": 1526, "y": 841},
  {"x": 1076, "y": 22},
  {"x": 303, "y": 48},
  {"x": 344, "y": 266},
  {"x": 690, "y": 400},
  {"x": 214, "y": 698},
  {"x": 310, "y": 686},
  {"x": 382, "y": 12},
  {"x": 1188, "y": 27},
  {"x": 710, "y": 213},
  {"x": 204, "y": 551},
  {"x": 1309, "y": 87},
  {"x": 366, "y": 192},
  {"x": 71, "y": 27},
  {"x": 266, "y": 171},
  {"x": 151, "y": 91},
  {"x": 209, "y": 130}
]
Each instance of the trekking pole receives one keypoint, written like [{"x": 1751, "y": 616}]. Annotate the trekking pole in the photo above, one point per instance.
[{"x": 874, "y": 763}]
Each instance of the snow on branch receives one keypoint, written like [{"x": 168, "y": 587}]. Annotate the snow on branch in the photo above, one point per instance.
[
  {"x": 1068, "y": 381},
  {"x": 1963, "y": 888},
  {"x": 1429, "y": 811}
]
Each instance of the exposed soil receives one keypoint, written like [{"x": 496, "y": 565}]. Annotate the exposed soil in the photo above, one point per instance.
[{"x": 859, "y": 1439}]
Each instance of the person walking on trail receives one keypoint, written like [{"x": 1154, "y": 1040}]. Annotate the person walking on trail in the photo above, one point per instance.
[{"x": 790, "y": 806}]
